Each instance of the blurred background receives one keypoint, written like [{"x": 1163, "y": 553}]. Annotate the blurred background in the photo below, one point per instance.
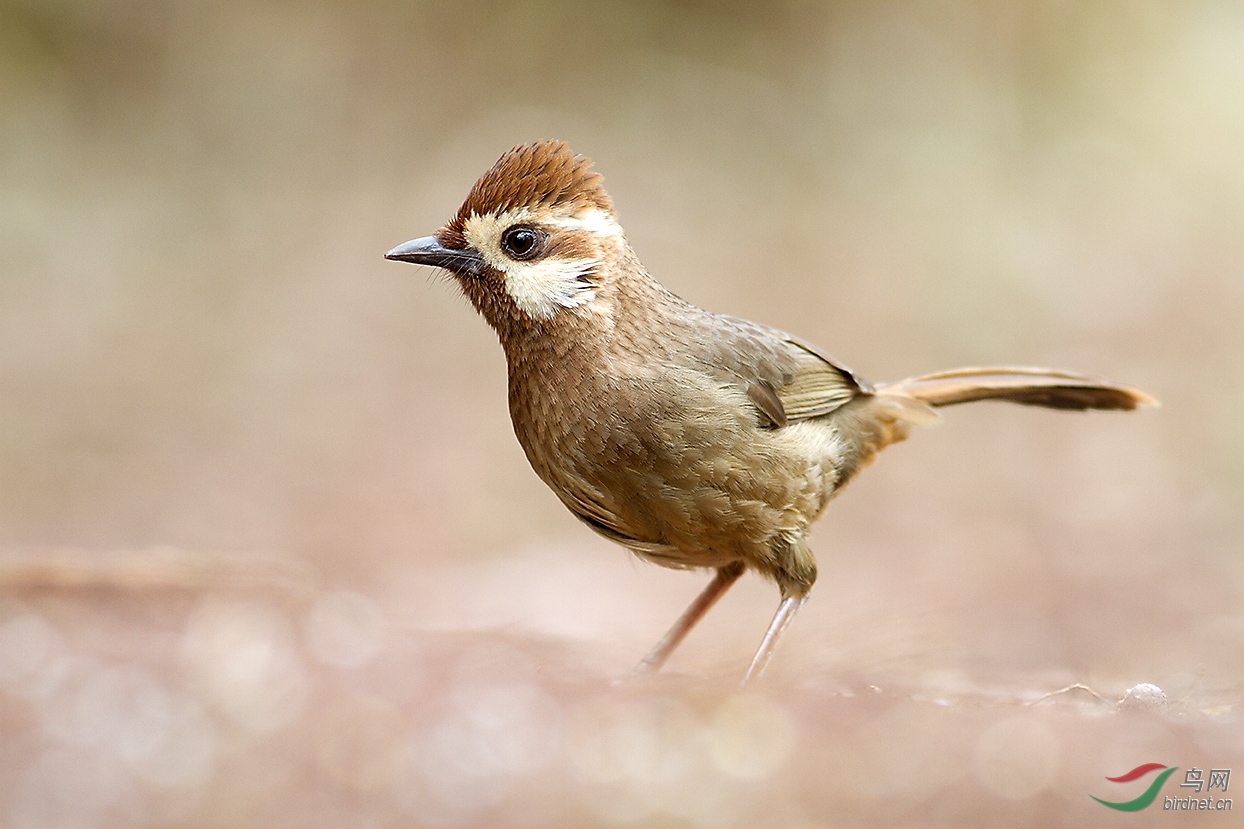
[{"x": 270, "y": 554}]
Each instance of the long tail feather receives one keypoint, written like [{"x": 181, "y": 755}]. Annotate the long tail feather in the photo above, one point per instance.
[{"x": 1046, "y": 387}]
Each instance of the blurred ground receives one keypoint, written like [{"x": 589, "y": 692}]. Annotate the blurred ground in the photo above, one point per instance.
[{"x": 270, "y": 555}]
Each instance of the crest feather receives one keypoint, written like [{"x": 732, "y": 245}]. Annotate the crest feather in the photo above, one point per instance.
[{"x": 543, "y": 174}]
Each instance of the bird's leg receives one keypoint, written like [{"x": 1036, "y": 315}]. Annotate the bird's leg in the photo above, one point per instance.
[
  {"x": 785, "y": 613},
  {"x": 725, "y": 577}
]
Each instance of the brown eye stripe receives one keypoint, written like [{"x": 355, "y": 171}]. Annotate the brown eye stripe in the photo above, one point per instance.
[{"x": 569, "y": 244}]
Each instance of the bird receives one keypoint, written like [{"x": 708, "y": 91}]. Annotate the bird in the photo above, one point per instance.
[{"x": 696, "y": 440}]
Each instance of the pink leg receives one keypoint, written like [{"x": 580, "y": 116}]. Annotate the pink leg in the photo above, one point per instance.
[
  {"x": 785, "y": 613},
  {"x": 725, "y": 577}
]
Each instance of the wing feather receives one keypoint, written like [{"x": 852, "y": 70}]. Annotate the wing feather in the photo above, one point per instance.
[{"x": 818, "y": 386}]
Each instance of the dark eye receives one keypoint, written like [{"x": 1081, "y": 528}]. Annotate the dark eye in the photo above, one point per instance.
[{"x": 521, "y": 242}]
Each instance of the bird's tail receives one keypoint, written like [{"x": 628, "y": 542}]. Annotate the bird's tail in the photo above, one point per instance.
[{"x": 1030, "y": 386}]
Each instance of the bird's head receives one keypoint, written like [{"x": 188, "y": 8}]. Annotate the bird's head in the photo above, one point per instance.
[{"x": 534, "y": 240}]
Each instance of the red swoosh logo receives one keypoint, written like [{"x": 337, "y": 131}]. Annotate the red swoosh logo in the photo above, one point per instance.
[{"x": 1139, "y": 771}]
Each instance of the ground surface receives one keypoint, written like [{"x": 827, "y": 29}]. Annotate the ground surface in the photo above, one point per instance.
[{"x": 165, "y": 689}]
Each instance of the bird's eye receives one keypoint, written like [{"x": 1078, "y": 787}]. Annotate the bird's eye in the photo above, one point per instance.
[{"x": 521, "y": 242}]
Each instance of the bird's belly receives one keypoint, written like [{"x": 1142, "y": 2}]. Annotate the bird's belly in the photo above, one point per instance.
[{"x": 693, "y": 492}]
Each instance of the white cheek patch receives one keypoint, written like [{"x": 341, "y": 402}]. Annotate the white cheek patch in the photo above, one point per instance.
[{"x": 543, "y": 287}]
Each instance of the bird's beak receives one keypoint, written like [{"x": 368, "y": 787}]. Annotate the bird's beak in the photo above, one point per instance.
[{"x": 427, "y": 250}]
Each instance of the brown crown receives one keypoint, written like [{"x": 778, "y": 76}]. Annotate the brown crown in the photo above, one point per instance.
[{"x": 543, "y": 174}]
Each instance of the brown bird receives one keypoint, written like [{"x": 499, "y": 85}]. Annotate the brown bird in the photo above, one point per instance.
[{"x": 694, "y": 439}]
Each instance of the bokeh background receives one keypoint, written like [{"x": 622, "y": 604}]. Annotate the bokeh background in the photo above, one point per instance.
[{"x": 271, "y": 556}]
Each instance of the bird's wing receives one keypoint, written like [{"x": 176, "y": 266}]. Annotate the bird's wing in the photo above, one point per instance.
[
  {"x": 819, "y": 384},
  {"x": 787, "y": 379}
]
